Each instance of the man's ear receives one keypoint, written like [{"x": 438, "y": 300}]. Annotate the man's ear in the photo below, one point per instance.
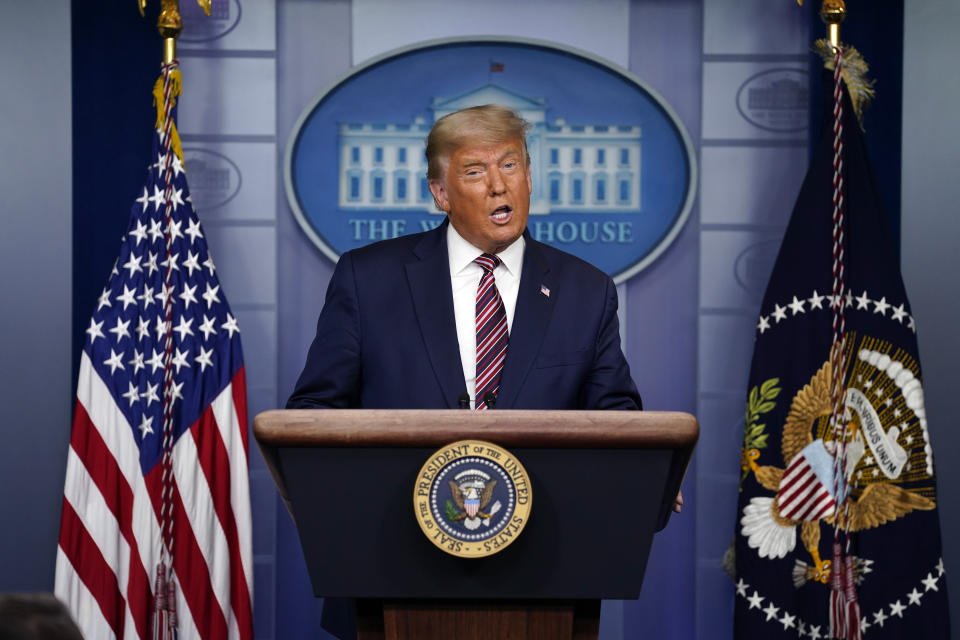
[{"x": 439, "y": 192}]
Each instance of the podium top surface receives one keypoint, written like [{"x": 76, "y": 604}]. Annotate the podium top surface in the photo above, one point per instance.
[{"x": 509, "y": 428}]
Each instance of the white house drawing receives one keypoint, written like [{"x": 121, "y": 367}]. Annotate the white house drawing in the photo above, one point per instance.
[{"x": 577, "y": 167}]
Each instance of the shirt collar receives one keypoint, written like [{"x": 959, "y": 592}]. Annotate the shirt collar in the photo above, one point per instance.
[{"x": 462, "y": 254}]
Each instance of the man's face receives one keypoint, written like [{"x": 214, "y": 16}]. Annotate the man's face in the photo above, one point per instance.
[{"x": 486, "y": 193}]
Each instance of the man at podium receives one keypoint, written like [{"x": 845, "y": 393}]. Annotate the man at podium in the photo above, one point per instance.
[{"x": 474, "y": 313}]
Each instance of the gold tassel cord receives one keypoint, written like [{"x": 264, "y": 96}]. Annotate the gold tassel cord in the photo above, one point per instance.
[
  {"x": 854, "y": 71},
  {"x": 175, "y": 82}
]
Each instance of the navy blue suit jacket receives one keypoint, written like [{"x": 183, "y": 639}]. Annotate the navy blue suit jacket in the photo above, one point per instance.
[{"x": 387, "y": 338}]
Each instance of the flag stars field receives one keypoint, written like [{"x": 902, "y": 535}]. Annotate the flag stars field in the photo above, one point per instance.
[
  {"x": 193, "y": 230},
  {"x": 816, "y": 300},
  {"x": 881, "y": 306},
  {"x": 131, "y": 311},
  {"x": 120, "y": 331},
  {"x": 104, "y": 300},
  {"x": 127, "y": 297},
  {"x": 184, "y": 328},
  {"x": 790, "y": 620},
  {"x": 140, "y": 231},
  {"x": 146, "y": 426},
  {"x": 187, "y": 295},
  {"x": 896, "y": 609},
  {"x": 190, "y": 264},
  {"x": 115, "y": 361},
  {"x": 210, "y": 295},
  {"x": 137, "y": 361},
  {"x": 771, "y": 611},
  {"x": 741, "y": 587},
  {"x": 206, "y": 328},
  {"x": 132, "y": 264},
  {"x": 763, "y": 324},
  {"x": 797, "y": 307},
  {"x": 94, "y": 330},
  {"x": 156, "y": 233},
  {"x": 143, "y": 328},
  {"x": 879, "y": 617}
]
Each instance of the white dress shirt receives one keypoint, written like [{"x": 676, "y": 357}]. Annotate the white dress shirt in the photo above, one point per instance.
[{"x": 465, "y": 278}]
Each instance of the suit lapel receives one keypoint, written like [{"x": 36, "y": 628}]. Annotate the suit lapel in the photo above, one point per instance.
[
  {"x": 530, "y": 321},
  {"x": 429, "y": 280}
]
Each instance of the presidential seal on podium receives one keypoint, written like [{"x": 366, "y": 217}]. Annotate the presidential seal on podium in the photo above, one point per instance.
[{"x": 472, "y": 498}]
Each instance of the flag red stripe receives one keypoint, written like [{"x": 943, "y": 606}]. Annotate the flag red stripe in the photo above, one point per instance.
[
  {"x": 796, "y": 477},
  {"x": 795, "y": 490},
  {"x": 117, "y": 494},
  {"x": 212, "y": 455},
  {"x": 194, "y": 576},
  {"x": 99, "y": 578},
  {"x": 227, "y": 416},
  {"x": 190, "y": 565},
  {"x": 239, "y": 389},
  {"x": 801, "y": 511},
  {"x": 826, "y": 505},
  {"x": 816, "y": 506}
]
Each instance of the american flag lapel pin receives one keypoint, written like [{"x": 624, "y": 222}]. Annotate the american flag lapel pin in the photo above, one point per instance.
[{"x": 545, "y": 290}]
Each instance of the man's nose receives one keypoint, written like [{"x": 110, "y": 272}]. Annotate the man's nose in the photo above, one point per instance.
[{"x": 495, "y": 181}]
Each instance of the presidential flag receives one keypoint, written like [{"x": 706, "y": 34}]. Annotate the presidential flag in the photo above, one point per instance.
[
  {"x": 883, "y": 489},
  {"x": 155, "y": 533}
]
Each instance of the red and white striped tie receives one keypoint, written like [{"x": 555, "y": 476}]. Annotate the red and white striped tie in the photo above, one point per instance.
[{"x": 492, "y": 334}]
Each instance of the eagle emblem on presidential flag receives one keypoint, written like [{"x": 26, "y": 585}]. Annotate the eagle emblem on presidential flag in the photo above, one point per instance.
[{"x": 886, "y": 464}]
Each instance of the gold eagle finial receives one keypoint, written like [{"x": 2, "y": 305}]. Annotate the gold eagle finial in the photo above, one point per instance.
[{"x": 169, "y": 23}]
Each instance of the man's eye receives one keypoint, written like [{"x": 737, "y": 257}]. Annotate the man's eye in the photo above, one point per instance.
[{"x": 509, "y": 165}]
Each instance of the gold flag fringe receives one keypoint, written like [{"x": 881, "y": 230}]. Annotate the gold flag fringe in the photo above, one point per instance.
[
  {"x": 175, "y": 82},
  {"x": 854, "y": 71}
]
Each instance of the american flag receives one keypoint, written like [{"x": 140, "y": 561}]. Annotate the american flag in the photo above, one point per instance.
[{"x": 111, "y": 531}]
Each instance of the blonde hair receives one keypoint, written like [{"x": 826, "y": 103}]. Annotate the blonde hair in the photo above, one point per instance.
[{"x": 488, "y": 124}]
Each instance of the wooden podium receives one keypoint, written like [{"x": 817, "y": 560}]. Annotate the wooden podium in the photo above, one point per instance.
[{"x": 602, "y": 483}]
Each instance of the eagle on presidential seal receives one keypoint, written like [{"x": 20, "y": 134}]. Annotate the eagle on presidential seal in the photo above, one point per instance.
[
  {"x": 472, "y": 498},
  {"x": 886, "y": 463}
]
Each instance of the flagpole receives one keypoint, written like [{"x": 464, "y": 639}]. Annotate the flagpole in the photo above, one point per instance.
[
  {"x": 169, "y": 24},
  {"x": 832, "y": 12}
]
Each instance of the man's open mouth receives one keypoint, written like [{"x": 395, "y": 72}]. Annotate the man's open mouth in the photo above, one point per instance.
[{"x": 501, "y": 214}]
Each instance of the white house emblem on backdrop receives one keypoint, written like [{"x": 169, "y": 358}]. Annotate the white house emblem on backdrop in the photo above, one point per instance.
[
  {"x": 577, "y": 167},
  {"x": 775, "y": 100},
  {"x": 613, "y": 169},
  {"x": 199, "y": 27}
]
